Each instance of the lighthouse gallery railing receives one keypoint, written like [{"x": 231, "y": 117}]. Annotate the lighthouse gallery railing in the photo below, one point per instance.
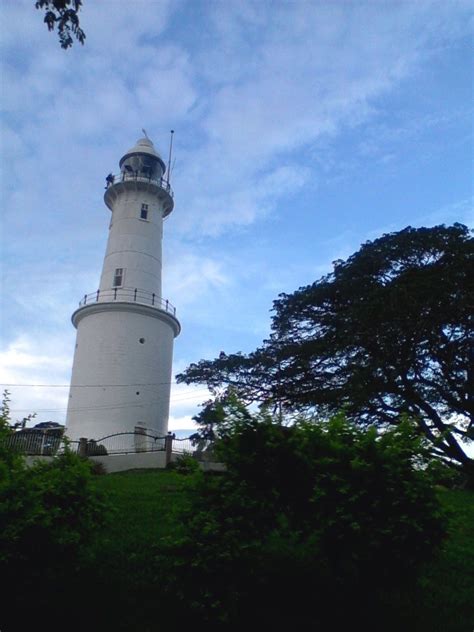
[
  {"x": 128, "y": 295},
  {"x": 138, "y": 177}
]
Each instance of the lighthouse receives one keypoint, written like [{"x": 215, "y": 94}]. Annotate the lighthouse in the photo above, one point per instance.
[{"x": 121, "y": 374}]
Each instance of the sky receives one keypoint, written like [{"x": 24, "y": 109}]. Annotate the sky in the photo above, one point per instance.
[{"x": 302, "y": 130}]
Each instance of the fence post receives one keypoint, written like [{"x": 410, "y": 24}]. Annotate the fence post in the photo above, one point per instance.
[
  {"x": 82, "y": 449},
  {"x": 168, "y": 447},
  {"x": 140, "y": 438},
  {"x": 43, "y": 439}
]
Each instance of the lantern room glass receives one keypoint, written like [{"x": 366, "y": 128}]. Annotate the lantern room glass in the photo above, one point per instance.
[{"x": 143, "y": 166}]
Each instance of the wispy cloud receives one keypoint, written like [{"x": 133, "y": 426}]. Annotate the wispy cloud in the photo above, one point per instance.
[{"x": 29, "y": 362}]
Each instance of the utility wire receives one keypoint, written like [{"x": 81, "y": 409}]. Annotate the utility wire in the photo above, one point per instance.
[
  {"x": 107, "y": 407},
  {"x": 84, "y": 385}
]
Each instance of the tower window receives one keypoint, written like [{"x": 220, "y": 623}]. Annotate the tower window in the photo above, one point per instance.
[
  {"x": 144, "y": 211},
  {"x": 118, "y": 277}
]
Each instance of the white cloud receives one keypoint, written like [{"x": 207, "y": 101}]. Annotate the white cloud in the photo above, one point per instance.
[
  {"x": 181, "y": 423},
  {"x": 270, "y": 82},
  {"x": 122, "y": 28},
  {"x": 185, "y": 401},
  {"x": 30, "y": 362},
  {"x": 192, "y": 277},
  {"x": 19, "y": 356}
]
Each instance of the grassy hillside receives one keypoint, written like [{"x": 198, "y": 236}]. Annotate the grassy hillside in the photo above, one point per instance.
[{"x": 147, "y": 507}]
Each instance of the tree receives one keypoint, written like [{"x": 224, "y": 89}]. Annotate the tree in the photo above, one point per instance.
[
  {"x": 387, "y": 332},
  {"x": 64, "y": 15}
]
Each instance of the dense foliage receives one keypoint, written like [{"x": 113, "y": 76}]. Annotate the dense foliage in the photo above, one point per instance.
[
  {"x": 315, "y": 525},
  {"x": 306, "y": 517},
  {"x": 49, "y": 514},
  {"x": 123, "y": 587},
  {"x": 388, "y": 332}
]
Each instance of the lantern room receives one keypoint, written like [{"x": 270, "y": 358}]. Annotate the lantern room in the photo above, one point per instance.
[{"x": 143, "y": 161}]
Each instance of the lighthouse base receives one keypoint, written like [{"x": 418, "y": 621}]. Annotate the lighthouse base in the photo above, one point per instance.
[{"x": 121, "y": 375}]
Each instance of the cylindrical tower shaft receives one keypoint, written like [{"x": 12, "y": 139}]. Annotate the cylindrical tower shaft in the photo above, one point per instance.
[
  {"x": 125, "y": 330},
  {"x": 134, "y": 244}
]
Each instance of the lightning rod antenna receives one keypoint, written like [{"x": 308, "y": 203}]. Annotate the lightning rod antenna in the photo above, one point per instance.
[
  {"x": 169, "y": 158},
  {"x": 172, "y": 167}
]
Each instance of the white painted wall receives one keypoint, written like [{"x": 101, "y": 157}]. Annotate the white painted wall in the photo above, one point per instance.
[
  {"x": 111, "y": 359},
  {"x": 135, "y": 244},
  {"x": 123, "y": 462}
]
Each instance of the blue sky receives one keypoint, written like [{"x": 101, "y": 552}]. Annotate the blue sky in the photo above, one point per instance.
[{"x": 302, "y": 130}]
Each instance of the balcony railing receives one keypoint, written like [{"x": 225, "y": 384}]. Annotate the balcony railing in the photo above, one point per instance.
[
  {"x": 138, "y": 177},
  {"x": 128, "y": 295}
]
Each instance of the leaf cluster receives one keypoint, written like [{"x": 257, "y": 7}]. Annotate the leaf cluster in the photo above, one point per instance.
[{"x": 63, "y": 14}]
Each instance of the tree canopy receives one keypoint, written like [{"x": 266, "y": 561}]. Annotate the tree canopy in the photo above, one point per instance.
[
  {"x": 63, "y": 14},
  {"x": 388, "y": 332}
]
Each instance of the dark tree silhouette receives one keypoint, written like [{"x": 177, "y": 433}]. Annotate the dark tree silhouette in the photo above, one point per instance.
[
  {"x": 63, "y": 14},
  {"x": 388, "y": 332}
]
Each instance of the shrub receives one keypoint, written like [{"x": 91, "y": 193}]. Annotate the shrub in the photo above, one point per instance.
[
  {"x": 304, "y": 519},
  {"x": 50, "y": 514},
  {"x": 185, "y": 464},
  {"x": 48, "y": 511}
]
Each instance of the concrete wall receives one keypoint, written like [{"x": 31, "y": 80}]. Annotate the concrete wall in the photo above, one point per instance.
[
  {"x": 123, "y": 462},
  {"x": 206, "y": 466},
  {"x": 142, "y": 461},
  {"x": 118, "y": 462}
]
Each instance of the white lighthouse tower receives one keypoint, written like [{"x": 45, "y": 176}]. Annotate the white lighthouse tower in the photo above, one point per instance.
[{"x": 121, "y": 371}]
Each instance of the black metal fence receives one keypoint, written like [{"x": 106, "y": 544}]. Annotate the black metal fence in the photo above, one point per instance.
[
  {"x": 127, "y": 176},
  {"x": 30, "y": 441},
  {"x": 195, "y": 447},
  {"x": 126, "y": 443},
  {"x": 49, "y": 442},
  {"x": 128, "y": 295}
]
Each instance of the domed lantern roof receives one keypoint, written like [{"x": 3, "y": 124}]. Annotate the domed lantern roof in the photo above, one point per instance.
[{"x": 143, "y": 154}]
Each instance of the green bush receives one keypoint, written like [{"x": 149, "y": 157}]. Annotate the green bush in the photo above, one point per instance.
[
  {"x": 305, "y": 518},
  {"x": 446, "y": 475},
  {"x": 50, "y": 514},
  {"x": 185, "y": 464},
  {"x": 49, "y": 511}
]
